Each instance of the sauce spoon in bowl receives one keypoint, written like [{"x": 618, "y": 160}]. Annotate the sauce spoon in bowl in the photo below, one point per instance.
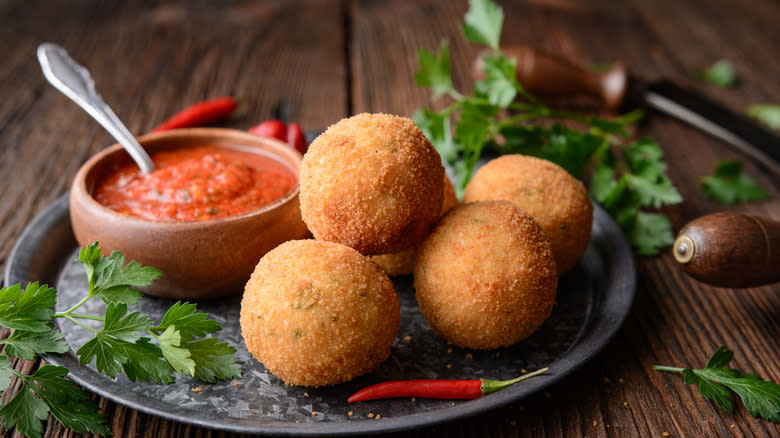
[{"x": 74, "y": 81}]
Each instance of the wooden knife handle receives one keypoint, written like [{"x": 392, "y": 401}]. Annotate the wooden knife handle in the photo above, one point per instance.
[
  {"x": 730, "y": 250},
  {"x": 543, "y": 74}
]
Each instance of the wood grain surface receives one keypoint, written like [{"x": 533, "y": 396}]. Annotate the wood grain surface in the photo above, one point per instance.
[{"x": 316, "y": 61}]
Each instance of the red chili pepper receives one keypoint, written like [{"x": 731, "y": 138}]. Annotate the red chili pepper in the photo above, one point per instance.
[
  {"x": 271, "y": 128},
  {"x": 208, "y": 111},
  {"x": 291, "y": 133},
  {"x": 434, "y": 388},
  {"x": 295, "y": 137}
]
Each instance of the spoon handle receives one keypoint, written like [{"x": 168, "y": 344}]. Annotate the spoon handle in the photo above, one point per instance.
[{"x": 74, "y": 81}]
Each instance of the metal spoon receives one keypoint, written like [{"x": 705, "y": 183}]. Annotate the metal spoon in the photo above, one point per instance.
[{"x": 74, "y": 81}]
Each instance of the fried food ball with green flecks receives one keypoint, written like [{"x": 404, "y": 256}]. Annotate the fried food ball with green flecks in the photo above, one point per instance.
[
  {"x": 372, "y": 182},
  {"x": 402, "y": 263},
  {"x": 318, "y": 313},
  {"x": 485, "y": 277},
  {"x": 558, "y": 201}
]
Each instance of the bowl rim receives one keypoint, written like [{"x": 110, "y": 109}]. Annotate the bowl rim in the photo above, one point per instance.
[{"x": 79, "y": 182}]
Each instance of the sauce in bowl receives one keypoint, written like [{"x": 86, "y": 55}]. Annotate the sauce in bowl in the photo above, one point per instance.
[{"x": 195, "y": 184}]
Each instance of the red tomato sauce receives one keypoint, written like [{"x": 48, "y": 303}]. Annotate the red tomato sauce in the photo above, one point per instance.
[{"x": 195, "y": 184}]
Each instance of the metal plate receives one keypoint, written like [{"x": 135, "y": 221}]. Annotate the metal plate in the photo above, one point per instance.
[{"x": 592, "y": 302}]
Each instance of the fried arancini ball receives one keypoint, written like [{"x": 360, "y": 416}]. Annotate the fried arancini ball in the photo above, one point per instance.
[
  {"x": 402, "y": 263},
  {"x": 558, "y": 201},
  {"x": 372, "y": 182},
  {"x": 485, "y": 277},
  {"x": 318, "y": 313}
]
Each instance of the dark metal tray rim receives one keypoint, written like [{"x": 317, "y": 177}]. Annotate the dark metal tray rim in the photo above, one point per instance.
[{"x": 613, "y": 306}]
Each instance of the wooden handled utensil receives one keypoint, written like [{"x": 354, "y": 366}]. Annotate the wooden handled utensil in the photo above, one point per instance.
[{"x": 730, "y": 250}]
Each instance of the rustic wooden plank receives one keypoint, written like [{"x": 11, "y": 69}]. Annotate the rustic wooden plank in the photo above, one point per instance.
[
  {"x": 384, "y": 43},
  {"x": 317, "y": 61}
]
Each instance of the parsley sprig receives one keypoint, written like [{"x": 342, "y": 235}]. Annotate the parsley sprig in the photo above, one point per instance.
[
  {"x": 730, "y": 184},
  {"x": 761, "y": 398},
  {"x": 502, "y": 117},
  {"x": 128, "y": 342}
]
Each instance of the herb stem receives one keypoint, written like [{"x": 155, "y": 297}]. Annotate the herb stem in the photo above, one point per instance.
[
  {"x": 17, "y": 373},
  {"x": 72, "y": 309},
  {"x": 668, "y": 369},
  {"x": 79, "y": 323},
  {"x": 86, "y": 316},
  {"x": 562, "y": 114},
  {"x": 528, "y": 96},
  {"x": 509, "y": 121},
  {"x": 521, "y": 106},
  {"x": 456, "y": 95}
]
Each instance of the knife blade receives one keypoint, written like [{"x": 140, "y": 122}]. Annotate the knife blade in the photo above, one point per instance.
[{"x": 543, "y": 74}]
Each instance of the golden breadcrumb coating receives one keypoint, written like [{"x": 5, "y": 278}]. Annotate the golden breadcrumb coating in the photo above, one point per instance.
[
  {"x": 372, "y": 182},
  {"x": 318, "y": 313},
  {"x": 402, "y": 263},
  {"x": 397, "y": 263},
  {"x": 485, "y": 277},
  {"x": 558, "y": 201}
]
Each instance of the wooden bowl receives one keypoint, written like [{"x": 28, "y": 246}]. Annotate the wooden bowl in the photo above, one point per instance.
[{"x": 203, "y": 259}]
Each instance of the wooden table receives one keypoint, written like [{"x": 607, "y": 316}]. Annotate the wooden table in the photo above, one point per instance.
[{"x": 317, "y": 61}]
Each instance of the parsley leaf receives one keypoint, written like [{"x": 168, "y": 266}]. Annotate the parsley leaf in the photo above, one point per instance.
[
  {"x": 118, "y": 346},
  {"x": 147, "y": 362},
  {"x": 26, "y": 344},
  {"x": 5, "y": 372},
  {"x": 721, "y": 74},
  {"x": 213, "y": 360},
  {"x": 482, "y": 23},
  {"x": 471, "y": 131},
  {"x": 111, "y": 280},
  {"x": 760, "y": 397},
  {"x": 436, "y": 128},
  {"x": 651, "y": 232},
  {"x": 175, "y": 354},
  {"x": 500, "y": 115},
  {"x": 766, "y": 113},
  {"x": 500, "y": 85},
  {"x": 70, "y": 405},
  {"x": 188, "y": 321},
  {"x": 434, "y": 71},
  {"x": 47, "y": 390},
  {"x": 569, "y": 149},
  {"x": 206, "y": 358},
  {"x": 25, "y": 412},
  {"x": 30, "y": 309},
  {"x": 109, "y": 347},
  {"x": 648, "y": 174},
  {"x": 603, "y": 184},
  {"x": 729, "y": 184},
  {"x": 121, "y": 325}
]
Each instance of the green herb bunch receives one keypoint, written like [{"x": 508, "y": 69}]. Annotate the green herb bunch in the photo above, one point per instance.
[
  {"x": 627, "y": 176},
  {"x": 760, "y": 397},
  {"x": 123, "y": 344}
]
